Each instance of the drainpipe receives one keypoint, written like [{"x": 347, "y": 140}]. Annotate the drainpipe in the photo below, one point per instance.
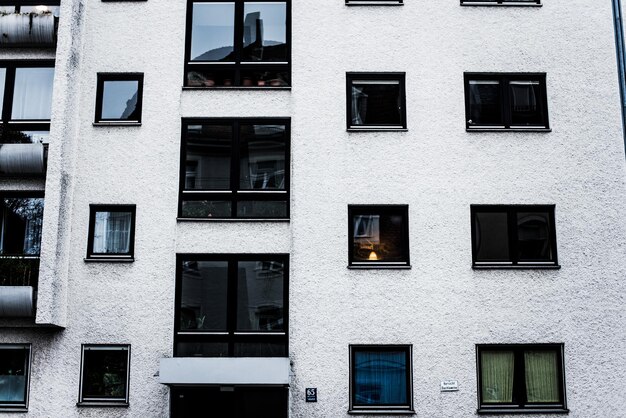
[{"x": 621, "y": 59}]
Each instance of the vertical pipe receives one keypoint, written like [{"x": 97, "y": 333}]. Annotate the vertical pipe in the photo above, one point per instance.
[{"x": 621, "y": 59}]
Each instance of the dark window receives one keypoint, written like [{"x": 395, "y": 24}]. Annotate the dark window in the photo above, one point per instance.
[
  {"x": 234, "y": 168},
  {"x": 381, "y": 378},
  {"x": 118, "y": 99},
  {"x": 506, "y": 101},
  {"x": 28, "y": 23},
  {"x": 520, "y": 377},
  {"x": 379, "y": 236},
  {"x": 513, "y": 236},
  {"x": 231, "y": 305},
  {"x": 500, "y": 2},
  {"x": 230, "y": 401},
  {"x": 104, "y": 375},
  {"x": 111, "y": 232},
  {"x": 14, "y": 376},
  {"x": 374, "y": 2},
  {"x": 238, "y": 43},
  {"x": 376, "y": 101}
]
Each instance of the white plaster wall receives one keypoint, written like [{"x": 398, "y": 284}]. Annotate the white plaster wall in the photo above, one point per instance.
[{"x": 441, "y": 305}]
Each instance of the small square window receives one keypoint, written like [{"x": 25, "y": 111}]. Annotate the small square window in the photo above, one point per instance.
[
  {"x": 521, "y": 236},
  {"x": 14, "y": 376},
  {"x": 104, "y": 375},
  {"x": 381, "y": 379},
  {"x": 500, "y": 2},
  {"x": 379, "y": 236},
  {"x": 376, "y": 101},
  {"x": 506, "y": 101},
  {"x": 516, "y": 378},
  {"x": 118, "y": 98},
  {"x": 111, "y": 232}
]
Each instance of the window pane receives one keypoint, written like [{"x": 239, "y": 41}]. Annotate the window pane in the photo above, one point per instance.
[
  {"x": 203, "y": 303},
  {"x": 229, "y": 402},
  {"x": 24, "y": 137},
  {"x": 378, "y": 237},
  {"x": 261, "y": 402},
  {"x": 492, "y": 236},
  {"x": 533, "y": 234},
  {"x": 3, "y": 75},
  {"x": 542, "y": 376},
  {"x": 104, "y": 373},
  {"x": 193, "y": 349},
  {"x": 54, "y": 10},
  {"x": 260, "y": 296},
  {"x": 261, "y": 349},
  {"x": 208, "y": 156},
  {"x": 496, "y": 376},
  {"x": 206, "y": 209},
  {"x": 22, "y": 220},
  {"x": 111, "y": 233},
  {"x": 485, "y": 101},
  {"x": 376, "y": 103},
  {"x": 119, "y": 100},
  {"x": 265, "y": 32},
  {"x": 212, "y": 78},
  {"x": 32, "y": 98},
  {"x": 265, "y": 78},
  {"x": 213, "y": 32},
  {"x": 262, "y": 209},
  {"x": 380, "y": 378},
  {"x": 262, "y": 157},
  {"x": 13, "y": 374},
  {"x": 525, "y": 103}
]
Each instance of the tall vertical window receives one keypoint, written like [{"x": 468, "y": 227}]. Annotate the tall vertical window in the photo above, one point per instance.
[
  {"x": 111, "y": 232},
  {"x": 234, "y": 168},
  {"x": 119, "y": 98},
  {"x": 520, "y": 378},
  {"x": 14, "y": 376},
  {"x": 238, "y": 43},
  {"x": 104, "y": 375},
  {"x": 381, "y": 378},
  {"x": 376, "y": 101}
]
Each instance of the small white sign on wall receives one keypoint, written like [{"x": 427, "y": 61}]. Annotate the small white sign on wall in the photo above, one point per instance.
[{"x": 449, "y": 385}]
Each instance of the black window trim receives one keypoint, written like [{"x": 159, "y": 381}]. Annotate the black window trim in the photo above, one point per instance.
[
  {"x": 374, "y": 2},
  {"x": 512, "y": 234},
  {"x": 95, "y": 207},
  {"x": 234, "y": 194},
  {"x": 382, "y": 409},
  {"x": 522, "y": 407},
  {"x": 231, "y": 336},
  {"x": 375, "y": 76},
  {"x": 504, "y": 78},
  {"x": 238, "y": 66},
  {"x": 100, "y": 402},
  {"x": 19, "y": 3},
  {"x": 355, "y": 209},
  {"x": 15, "y": 406},
  {"x": 101, "y": 78},
  {"x": 524, "y": 3}
]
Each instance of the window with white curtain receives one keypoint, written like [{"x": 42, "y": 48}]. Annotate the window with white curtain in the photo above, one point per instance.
[
  {"x": 111, "y": 232},
  {"x": 14, "y": 376}
]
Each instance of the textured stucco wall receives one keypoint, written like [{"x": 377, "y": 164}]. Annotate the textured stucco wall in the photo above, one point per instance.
[{"x": 441, "y": 305}]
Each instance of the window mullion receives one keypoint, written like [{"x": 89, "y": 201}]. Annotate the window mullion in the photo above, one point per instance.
[
  {"x": 506, "y": 102},
  {"x": 513, "y": 239},
  {"x": 238, "y": 41},
  {"x": 231, "y": 305},
  {"x": 9, "y": 90},
  {"x": 234, "y": 167},
  {"x": 521, "y": 377}
]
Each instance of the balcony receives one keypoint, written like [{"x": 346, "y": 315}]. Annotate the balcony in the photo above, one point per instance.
[
  {"x": 23, "y": 160},
  {"x": 18, "y": 285},
  {"x": 29, "y": 26}
]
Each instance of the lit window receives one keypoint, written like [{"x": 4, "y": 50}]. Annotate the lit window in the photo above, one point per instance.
[
  {"x": 104, "y": 375},
  {"x": 516, "y": 378},
  {"x": 379, "y": 236},
  {"x": 14, "y": 376},
  {"x": 376, "y": 101},
  {"x": 119, "y": 98},
  {"x": 111, "y": 232}
]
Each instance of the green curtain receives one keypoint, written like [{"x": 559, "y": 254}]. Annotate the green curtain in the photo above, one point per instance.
[
  {"x": 541, "y": 376},
  {"x": 497, "y": 376}
]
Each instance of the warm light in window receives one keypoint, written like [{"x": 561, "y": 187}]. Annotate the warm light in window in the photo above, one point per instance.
[{"x": 373, "y": 256}]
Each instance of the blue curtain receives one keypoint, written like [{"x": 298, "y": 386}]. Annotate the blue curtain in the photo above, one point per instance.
[{"x": 380, "y": 378}]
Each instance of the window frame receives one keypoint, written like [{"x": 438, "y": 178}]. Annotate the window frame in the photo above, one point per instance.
[
  {"x": 101, "y": 79},
  {"x": 231, "y": 336},
  {"x": 100, "y": 402},
  {"x": 354, "y": 408},
  {"x": 111, "y": 257},
  {"x": 513, "y": 262},
  {"x": 385, "y": 209},
  {"x": 524, "y": 3},
  {"x": 14, "y": 406},
  {"x": 235, "y": 194},
  {"x": 374, "y": 2},
  {"x": 400, "y": 77},
  {"x": 504, "y": 78},
  {"x": 238, "y": 66},
  {"x": 519, "y": 388}
]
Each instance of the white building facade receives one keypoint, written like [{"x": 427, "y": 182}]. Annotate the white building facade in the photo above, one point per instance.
[{"x": 296, "y": 209}]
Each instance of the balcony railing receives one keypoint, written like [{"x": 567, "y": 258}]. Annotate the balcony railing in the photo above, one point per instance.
[
  {"x": 18, "y": 285},
  {"x": 22, "y": 160},
  {"x": 28, "y": 29}
]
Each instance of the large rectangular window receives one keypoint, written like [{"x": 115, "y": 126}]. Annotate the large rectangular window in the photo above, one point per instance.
[
  {"x": 521, "y": 236},
  {"x": 234, "y": 168},
  {"x": 230, "y": 305},
  {"x": 521, "y": 378},
  {"x": 14, "y": 376},
  {"x": 238, "y": 43},
  {"x": 105, "y": 371}
]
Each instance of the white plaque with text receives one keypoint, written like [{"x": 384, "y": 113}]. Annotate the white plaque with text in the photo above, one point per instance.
[{"x": 449, "y": 385}]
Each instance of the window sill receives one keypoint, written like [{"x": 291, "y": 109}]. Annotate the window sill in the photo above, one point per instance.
[
  {"x": 487, "y": 411},
  {"x": 238, "y": 88},
  {"x": 13, "y": 409},
  {"x": 518, "y": 267},
  {"x": 117, "y": 123},
  {"x": 109, "y": 259},
  {"x": 120, "y": 404},
  {"x": 508, "y": 130},
  {"x": 502, "y": 4},
  {"x": 381, "y": 412},
  {"x": 374, "y": 3},
  {"x": 380, "y": 267},
  {"x": 377, "y": 130},
  {"x": 233, "y": 219}
]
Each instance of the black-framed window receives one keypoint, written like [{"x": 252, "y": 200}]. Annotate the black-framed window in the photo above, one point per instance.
[
  {"x": 500, "y": 2},
  {"x": 104, "y": 374},
  {"x": 231, "y": 305},
  {"x": 238, "y": 43},
  {"x": 374, "y": 2},
  {"x": 381, "y": 378},
  {"x": 506, "y": 101},
  {"x": 234, "y": 168},
  {"x": 119, "y": 98},
  {"x": 378, "y": 236},
  {"x": 376, "y": 101},
  {"x": 111, "y": 232},
  {"x": 513, "y": 236},
  {"x": 14, "y": 376},
  {"x": 29, "y": 23},
  {"x": 520, "y": 378}
]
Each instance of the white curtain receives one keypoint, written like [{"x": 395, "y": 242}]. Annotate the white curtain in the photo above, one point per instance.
[{"x": 112, "y": 233}]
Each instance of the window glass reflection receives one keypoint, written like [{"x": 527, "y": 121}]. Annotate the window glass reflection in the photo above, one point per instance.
[
  {"x": 380, "y": 378},
  {"x": 54, "y": 10},
  {"x": 208, "y": 157},
  {"x": 204, "y": 293},
  {"x": 262, "y": 157},
  {"x": 104, "y": 373},
  {"x": 376, "y": 102},
  {"x": 378, "y": 237},
  {"x": 265, "y": 32},
  {"x": 22, "y": 220},
  {"x": 119, "y": 100},
  {"x": 212, "y": 32},
  {"x": 492, "y": 236},
  {"x": 525, "y": 98},
  {"x": 533, "y": 234},
  {"x": 32, "y": 98},
  {"x": 260, "y": 296},
  {"x": 13, "y": 374},
  {"x": 485, "y": 102}
]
